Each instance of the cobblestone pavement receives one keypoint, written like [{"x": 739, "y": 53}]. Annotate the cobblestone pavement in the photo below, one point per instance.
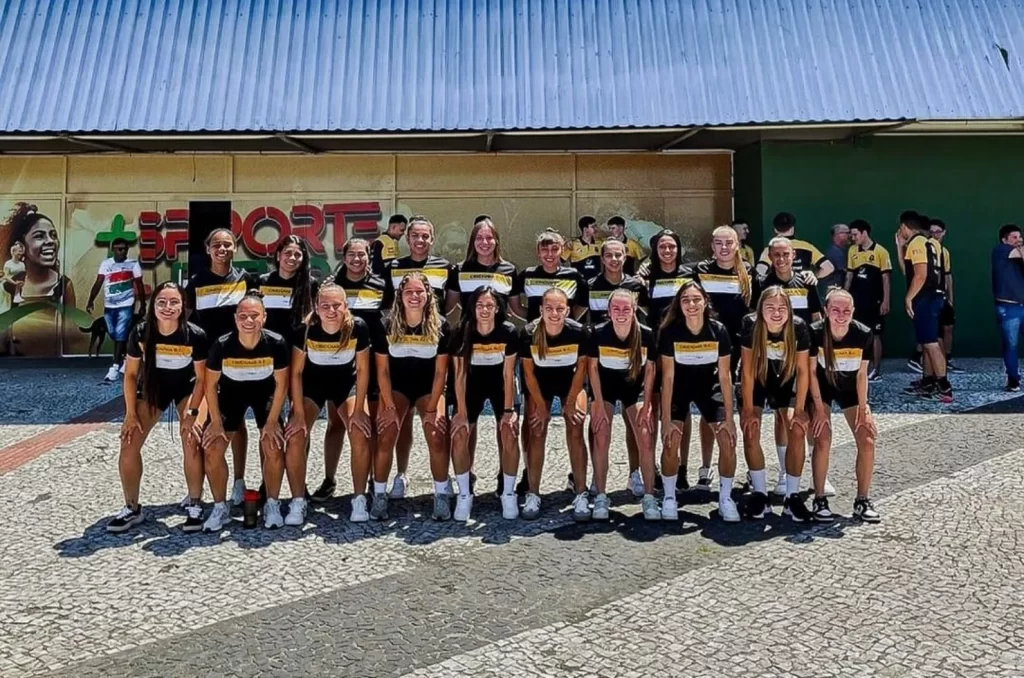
[{"x": 939, "y": 578}]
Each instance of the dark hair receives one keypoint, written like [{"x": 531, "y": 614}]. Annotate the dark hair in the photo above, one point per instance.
[
  {"x": 653, "y": 242},
  {"x": 118, "y": 241},
  {"x": 739, "y": 220},
  {"x": 480, "y": 224},
  {"x": 150, "y": 384},
  {"x": 352, "y": 241},
  {"x": 209, "y": 239},
  {"x": 937, "y": 222},
  {"x": 861, "y": 225},
  {"x": 913, "y": 220},
  {"x": 586, "y": 222},
  {"x": 302, "y": 290},
  {"x": 397, "y": 219},
  {"x": 783, "y": 221},
  {"x": 674, "y": 314},
  {"x": 1005, "y": 231},
  {"x": 481, "y": 217},
  {"x": 468, "y": 321},
  {"x": 23, "y": 217},
  {"x": 617, "y": 221}
]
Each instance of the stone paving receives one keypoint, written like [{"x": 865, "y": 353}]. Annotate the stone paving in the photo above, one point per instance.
[{"x": 159, "y": 602}]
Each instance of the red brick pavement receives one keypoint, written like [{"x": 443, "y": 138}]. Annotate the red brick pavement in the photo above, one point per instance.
[{"x": 20, "y": 453}]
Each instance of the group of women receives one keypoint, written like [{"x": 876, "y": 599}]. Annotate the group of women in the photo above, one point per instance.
[{"x": 372, "y": 349}]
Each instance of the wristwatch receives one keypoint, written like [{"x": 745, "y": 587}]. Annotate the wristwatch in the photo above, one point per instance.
[{"x": 510, "y": 410}]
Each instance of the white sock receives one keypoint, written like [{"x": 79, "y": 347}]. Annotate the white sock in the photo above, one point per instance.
[
  {"x": 724, "y": 488},
  {"x": 380, "y": 488},
  {"x": 781, "y": 451},
  {"x": 759, "y": 479},
  {"x": 463, "y": 480},
  {"x": 222, "y": 503},
  {"x": 441, "y": 486},
  {"x": 792, "y": 485},
  {"x": 670, "y": 486},
  {"x": 510, "y": 484}
]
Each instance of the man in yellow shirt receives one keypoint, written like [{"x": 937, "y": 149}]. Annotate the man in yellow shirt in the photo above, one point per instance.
[
  {"x": 742, "y": 229},
  {"x": 806, "y": 257},
  {"x": 616, "y": 227},
  {"x": 584, "y": 251},
  {"x": 384, "y": 249},
  {"x": 947, "y": 319}
]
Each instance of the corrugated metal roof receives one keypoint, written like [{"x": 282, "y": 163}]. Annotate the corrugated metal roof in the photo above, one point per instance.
[{"x": 337, "y": 65}]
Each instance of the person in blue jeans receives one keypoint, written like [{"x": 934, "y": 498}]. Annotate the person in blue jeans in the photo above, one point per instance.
[
  {"x": 1008, "y": 295},
  {"x": 120, "y": 278}
]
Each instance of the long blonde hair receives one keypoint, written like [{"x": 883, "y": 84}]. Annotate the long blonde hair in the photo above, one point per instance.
[
  {"x": 397, "y": 326},
  {"x": 540, "y": 336},
  {"x": 826, "y": 342},
  {"x": 737, "y": 261},
  {"x": 633, "y": 338},
  {"x": 347, "y": 319},
  {"x": 760, "y": 338}
]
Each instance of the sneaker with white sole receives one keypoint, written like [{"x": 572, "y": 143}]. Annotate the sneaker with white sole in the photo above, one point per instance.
[
  {"x": 830, "y": 489},
  {"x": 324, "y": 492},
  {"x": 463, "y": 507},
  {"x": 704, "y": 477},
  {"x": 780, "y": 485},
  {"x": 272, "y": 514},
  {"x": 797, "y": 510},
  {"x": 359, "y": 513},
  {"x": 728, "y": 511},
  {"x": 601, "y": 506},
  {"x": 758, "y": 506},
  {"x": 296, "y": 512},
  {"x": 112, "y": 375},
  {"x": 649, "y": 505},
  {"x": 218, "y": 518},
  {"x": 864, "y": 510},
  {"x": 193, "y": 517},
  {"x": 531, "y": 507},
  {"x": 399, "y": 487},
  {"x": 636, "y": 484},
  {"x": 379, "y": 508},
  {"x": 509, "y": 506},
  {"x": 125, "y": 519},
  {"x": 185, "y": 501},
  {"x": 822, "y": 513},
  {"x": 442, "y": 507},
  {"x": 669, "y": 509},
  {"x": 581, "y": 507},
  {"x": 238, "y": 492}
]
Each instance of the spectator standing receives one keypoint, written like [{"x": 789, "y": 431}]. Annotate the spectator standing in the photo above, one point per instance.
[
  {"x": 120, "y": 278},
  {"x": 1008, "y": 294},
  {"x": 836, "y": 255},
  {"x": 806, "y": 257},
  {"x": 385, "y": 248}
]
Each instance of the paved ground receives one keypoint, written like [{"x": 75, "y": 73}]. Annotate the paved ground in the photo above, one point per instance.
[{"x": 935, "y": 590}]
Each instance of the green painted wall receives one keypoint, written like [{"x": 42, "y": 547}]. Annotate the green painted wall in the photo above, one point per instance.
[{"x": 974, "y": 184}]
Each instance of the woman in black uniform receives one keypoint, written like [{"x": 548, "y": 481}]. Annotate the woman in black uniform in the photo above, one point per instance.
[
  {"x": 484, "y": 353},
  {"x": 247, "y": 368},
  {"x": 364, "y": 297},
  {"x": 411, "y": 350},
  {"x": 695, "y": 353},
  {"x": 620, "y": 355},
  {"x": 171, "y": 354},
  {"x": 842, "y": 348},
  {"x": 534, "y": 281},
  {"x": 330, "y": 366},
  {"x": 288, "y": 292},
  {"x": 775, "y": 371},
  {"x": 213, "y": 295},
  {"x": 483, "y": 267},
  {"x": 554, "y": 365}
]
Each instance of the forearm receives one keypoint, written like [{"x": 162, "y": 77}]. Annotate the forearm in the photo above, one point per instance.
[
  {"x": 460, "y": 385},
  {"x": 862, "y": 385},
  {"x": 280, "y": 393},
  {"x": 649, "y": 375},
  {"x": 595, "y": 381},
  {"x": 532, "y": 385},
  {"x": 198, "y": 391},
  {"x": 362, "y": 382},
  {"x": 211, "y": 397},
  {"x": 94, "y": 292},
  {"x": 579, "y": 378},
  {"x": 510, "y": 383},
  {"x": 802, "y": 382},
  {"x": 387, "y": 397},
  {"x": 437, "y": 389},
  {"x": 725, "y": 384}
]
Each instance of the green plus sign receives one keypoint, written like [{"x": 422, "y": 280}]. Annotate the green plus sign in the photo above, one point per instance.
[{"x": 116, "y": 231}]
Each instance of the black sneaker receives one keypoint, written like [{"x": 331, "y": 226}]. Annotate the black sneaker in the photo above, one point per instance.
[
  {"x": 915, "y": 388},
  {"x": 659, "y": 484},
  {"x": 915, "y": 365},
  {"x": 683, "y": 483},
  {"x": 193, "y": 517},
  {"x": 822, "y": 514},
  {"x": 125, "y": 519},
  {"x": 874, "y": 377},
  {"x": 472, "y": 483},
  {"x": 570, "y": 483},
  {"x": 1012, "y": 385},
  {"x": 324, "y": 492},
  {"x": 757, "y": 505},
  {"x": 944, "y": 394},
  {"x": 864, "y": 510},
  {"x": 796, "y": 509}
]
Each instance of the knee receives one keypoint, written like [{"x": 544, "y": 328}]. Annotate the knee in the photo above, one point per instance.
[{"x": 214, "y": 453}]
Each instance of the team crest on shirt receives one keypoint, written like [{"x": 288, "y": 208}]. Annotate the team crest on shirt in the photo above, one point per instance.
[
  {"x": 330, "y": 353},
  {"x": 695, "y": 352},
  {"x": 556, "y": 356},
  {"x": 847, "y": 359},
  {"x": 172, "y": 356}
]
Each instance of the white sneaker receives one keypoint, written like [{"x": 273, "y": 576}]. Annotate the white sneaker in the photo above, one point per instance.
[
  {"x": 509, "y": 506},
  {"x": 111, "y": 376},
  {"x": 359, "y": 513},
  {"x": 780, "y": 486},
  {"x": 463, "y": 507},
  {"x": 120, "y": 368},
  {"x": 296, "y": 512},
  {"x": 398, "y": 487},
  {"x": 581, "y": 507},
  {"x": 238, "y": 492},
  {"x": 830, "y": 490},
  {"x": 218, "y": 517},
  {"x": 727, "y": 509},
  {"x": 601, "y": 505},
  {"x": 669, "y": 509},
  {"x": 272, "y": 514},
  {"x": 531, "y": 507},
  {"x": 650, "y": 507},
  {"x": 636, "y": 484}
]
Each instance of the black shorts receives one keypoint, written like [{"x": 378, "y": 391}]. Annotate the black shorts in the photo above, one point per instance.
[
  {"x": 870, "y": 315},
  {"x": 475, "y": 399},
  {"x": 413, "y": 391},
  {"x": 710, "y": 404},
  {"x": 233, "y": 407},
  {"x": 169, "y": 395},
  {"x": 831, "y": 395},
  {"x": 549, "y": 391},
  {"x": 619, "y": 390},
  {"x": 947, "y": 317},
  {"x": 776, "y": 396},
  {"x": 321, "y": 391}
]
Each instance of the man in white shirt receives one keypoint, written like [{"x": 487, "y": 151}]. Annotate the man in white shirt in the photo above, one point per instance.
[{"x": 121, "y": 281}]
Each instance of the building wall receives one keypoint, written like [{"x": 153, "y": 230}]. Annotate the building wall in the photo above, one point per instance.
[
  {"x": 327, "y": 199},
  {"x": 973, "y": 184}
]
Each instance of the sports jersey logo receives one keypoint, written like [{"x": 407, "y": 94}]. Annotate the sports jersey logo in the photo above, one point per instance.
[
  {"x": 364, "y": 300},
  {"x": 536, "y": 287},
  {"x": 613, "y": 358},
  {"x": 218, "y": 296},
  {"x": 173, "y": 357},
  {"x": 437, "y": 276},
  {"x": 847, "y": 359},
  {"x": 328, "y": 354},
  {"x": 248, "y": 369},
  {"x": 276, "y": 297},
  {"x": 695, "y": 353},
  {"x": 487, "y": 354},
  {"x": 797, "y": 297},
  {"x": 776, "y": 350},
  {"x": 557, "y": 356},
  {"x": 413, "y": 347},
  {"x": 720, "y": 284},
  {"x": 666, "y": 287},
  {"x": 468, "y": 282}
]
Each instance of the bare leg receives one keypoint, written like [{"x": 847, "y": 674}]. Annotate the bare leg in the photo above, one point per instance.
[
  {"x": 239, "y": 447},
  {"x": 361, "y": 452},
  {"x": 404, "y": 446},
  {"x": 537, "y": 437},
  {"x": 600, "y": 442},
  {"x": 575, "y": 440},
  {"x": 387, "y": 439},
  {"x": 334, "y": 440},
  {"x": 129, "y": 462}
]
